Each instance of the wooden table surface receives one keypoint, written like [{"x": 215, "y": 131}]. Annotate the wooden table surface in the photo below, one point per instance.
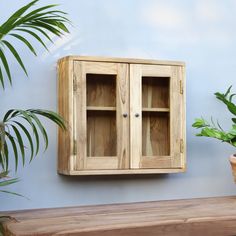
[{"x": 203, "y": 216}]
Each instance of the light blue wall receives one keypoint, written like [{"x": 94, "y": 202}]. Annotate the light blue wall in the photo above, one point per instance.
[{"x": 201, "y": 33}]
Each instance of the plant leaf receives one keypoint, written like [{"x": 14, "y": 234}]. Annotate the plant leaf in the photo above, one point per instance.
[
  {"x": 9, "y": 24},
  {"x": 14, "y": 147},
  {"x": 1, "y": 78},
  {"x": 41, "y": 128},
  {"x": 29, "y": 138},
  {"x": 5, "y": 64},
  {"x": 34, "y": 35},
  {"x": 26, "y": 42},
  {"x": 228, "y": 91},
  {"x": 20, "y": 143},
  {"x": 8, "y": 182},
  {"x": 16, "y": 55}
]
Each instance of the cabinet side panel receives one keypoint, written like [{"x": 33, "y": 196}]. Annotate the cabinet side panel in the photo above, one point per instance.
[
  {"x": 80, "y": 128},
  {"x": 182, "y": 74},
  {"x": 65, "y": 109},
  {"x": 176, "y": 116}
]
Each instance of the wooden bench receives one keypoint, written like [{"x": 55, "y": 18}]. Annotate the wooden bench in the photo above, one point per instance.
[{"x": 203, "y": 217}]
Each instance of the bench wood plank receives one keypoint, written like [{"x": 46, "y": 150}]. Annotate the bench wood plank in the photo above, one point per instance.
[{"x": 202, "y": 216}]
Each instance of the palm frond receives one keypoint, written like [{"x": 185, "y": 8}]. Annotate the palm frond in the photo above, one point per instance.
[
  {"x": 18, "y": 123},
  {"x": 5, "y": 180},
  {"x": 37, "y": 23}
]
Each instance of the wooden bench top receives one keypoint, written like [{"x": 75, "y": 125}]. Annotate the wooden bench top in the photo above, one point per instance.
[{"x": 203, "y": 216}]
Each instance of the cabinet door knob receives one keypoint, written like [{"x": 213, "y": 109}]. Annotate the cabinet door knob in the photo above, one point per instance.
[
  {"x": 136, "y": 115},
  {"x": 125, "y": 115}
]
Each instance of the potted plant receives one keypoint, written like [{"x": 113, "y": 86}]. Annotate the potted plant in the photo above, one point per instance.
[{"x": 214, "y": 130}]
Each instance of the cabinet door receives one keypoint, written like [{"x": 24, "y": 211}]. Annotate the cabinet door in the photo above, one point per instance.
[
  {"x": 101, "y": 104},
  {"x": 156, "y": 116}
]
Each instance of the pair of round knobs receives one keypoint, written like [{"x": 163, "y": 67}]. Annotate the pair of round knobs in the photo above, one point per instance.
[{"x": 125, "y": 115}]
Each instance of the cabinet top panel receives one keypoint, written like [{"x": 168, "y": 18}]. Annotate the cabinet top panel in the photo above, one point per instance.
[{"x": 122, "y": 60}]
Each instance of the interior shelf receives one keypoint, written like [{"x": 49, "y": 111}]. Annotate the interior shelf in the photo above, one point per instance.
[
  {"x": 146, "y": 109},
  {"x": 99, "y": 108}
]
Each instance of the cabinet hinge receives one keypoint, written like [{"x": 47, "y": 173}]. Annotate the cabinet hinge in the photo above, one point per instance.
[
  {"x": 181, "y": 87},
  {"x": 181, "y": 146},
  {"x": 74, "y": 84},
  {"x": 74, "y": 147}
]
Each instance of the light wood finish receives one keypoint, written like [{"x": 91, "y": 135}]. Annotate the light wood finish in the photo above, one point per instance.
[
  {"x": 80, "y": 116},
  {"x": 101, "y": 90},
  {"x": 102, "y": 163},
  {"x": 202, "y": 216},
  {"x": 161, "y": 134},
  {"x": 155, "y": 92},
  {"x": 123, "y": 123},
  {"x": 155, "y": 134},
  {"x": 155, "y": 109},
  {"x": 122, "y": 60},
  {"x": 124, "y": 171},
  {"x": 95, "y": 108},
  {"x": 127, "y": 116},
  {"x": 182, "y": 75},
  {"x": 135, "y": 115},
  {"x": 66, "y": 110},
  {"x": 103, "y": 133},
  {"x": 176, "y": 116}
]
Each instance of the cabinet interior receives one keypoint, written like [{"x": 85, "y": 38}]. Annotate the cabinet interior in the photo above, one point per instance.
[
  {"x": 101, "y": 91},
  {"x": 155, "y": 116},
  {"x": 101, "y": 115},
  {"x": 101, "y": 133},
  {"x": 155, "y": 92},
  {"x": 155, "y": 134}
]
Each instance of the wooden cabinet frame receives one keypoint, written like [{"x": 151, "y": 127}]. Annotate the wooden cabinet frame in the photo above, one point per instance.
[{"x": 134, "y": 127}]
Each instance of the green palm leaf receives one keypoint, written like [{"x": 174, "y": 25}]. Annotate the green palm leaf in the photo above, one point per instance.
[
  {"x": 23, "y": 23},
  {"x": 21, "y": 129},
  {"x": 15, "y": 54},
  {"x": 26, "y": 42},
  {"x": 5, "y": 180},
  {"x": 30, "y": 127}
]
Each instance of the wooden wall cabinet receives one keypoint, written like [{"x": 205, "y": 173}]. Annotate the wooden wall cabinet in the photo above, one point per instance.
[{"x": 125, "y": 116}]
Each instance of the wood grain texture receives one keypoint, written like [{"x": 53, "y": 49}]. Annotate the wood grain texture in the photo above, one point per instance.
[
  {"x": 101, "y": 134},
  {"x": 65, "y": 109},
  {"x": 123, "y": 123},
  {"x": 202, "y": 216},
  {"x": 101, "y": 90},
  {"x": 155, "y": 92},
  {"x": 80, "y": 116},
  {"x": 155, "y": 134},
  {"x": 135, "y": 121},
  {"x": 162, "y": 134},
  {"x": 101, "y": 98},
  {"x": 123, "y": 60},
  {"x": 176, "y": 117},
  {"x": 182, "y": 76},
  {"x": 149, "y": 171},
  {"x": 102, "y": 131}
]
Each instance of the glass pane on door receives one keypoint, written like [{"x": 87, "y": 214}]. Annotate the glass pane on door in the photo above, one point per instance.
[
  {"x": 155, "y": 116},
  {"x": 101, "y": 115}
]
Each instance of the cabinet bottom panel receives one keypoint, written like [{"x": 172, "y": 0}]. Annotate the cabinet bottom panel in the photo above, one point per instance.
[{"x": 123, "y": 172}]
